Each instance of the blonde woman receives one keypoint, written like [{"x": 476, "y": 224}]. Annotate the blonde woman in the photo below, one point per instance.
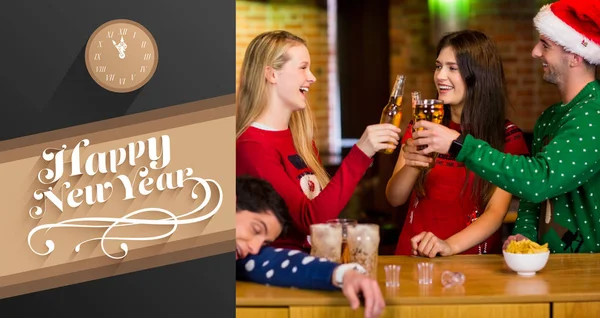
[{"x": 275, "y": 136}]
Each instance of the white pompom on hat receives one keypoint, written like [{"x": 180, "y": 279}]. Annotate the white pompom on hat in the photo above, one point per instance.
[{"x": 574, "y": 25}]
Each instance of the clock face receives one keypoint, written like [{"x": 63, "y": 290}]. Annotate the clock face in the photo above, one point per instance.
[{"x": 121, "y": 55}]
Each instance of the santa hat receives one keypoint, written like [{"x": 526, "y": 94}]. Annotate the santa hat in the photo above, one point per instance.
[{"x": 574, "y": 25}]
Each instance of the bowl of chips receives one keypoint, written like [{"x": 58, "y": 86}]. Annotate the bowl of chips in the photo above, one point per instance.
[{"x": 526, "y": 257}]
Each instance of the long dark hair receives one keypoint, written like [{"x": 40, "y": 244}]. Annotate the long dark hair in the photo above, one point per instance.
[{"x": 483, "y": 113}]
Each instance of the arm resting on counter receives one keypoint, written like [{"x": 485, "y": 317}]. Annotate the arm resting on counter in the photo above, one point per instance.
[{"x": 287, "y": 268}]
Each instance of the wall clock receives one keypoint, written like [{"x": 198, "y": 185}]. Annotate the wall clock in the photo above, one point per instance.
[{"x": 121, "y": 55}]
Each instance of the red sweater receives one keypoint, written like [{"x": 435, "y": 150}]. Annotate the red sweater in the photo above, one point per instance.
[
  {"x": 445, "y": 211},
  {"x": 271, "y": 155}
]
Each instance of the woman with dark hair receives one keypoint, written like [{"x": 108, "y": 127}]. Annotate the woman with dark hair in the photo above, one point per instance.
[{"x": 451, "y": 209}]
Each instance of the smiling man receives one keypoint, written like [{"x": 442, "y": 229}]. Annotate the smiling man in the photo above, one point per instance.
[
  {"x": 559, "y": 185},
  {"x": 261, "y": 216}
]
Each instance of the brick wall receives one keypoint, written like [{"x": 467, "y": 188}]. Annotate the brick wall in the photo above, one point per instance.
[
  {"x": 412, "y": 52},
  {"x": 304, "y": 18},
  {"x": 509, "y": 23}
]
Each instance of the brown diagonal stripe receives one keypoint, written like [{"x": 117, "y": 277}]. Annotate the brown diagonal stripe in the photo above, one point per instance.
[
  {"x": 124, "y": 126},
  {"x": 69, "y": 275},
  {"x": 202, "y": 138}
]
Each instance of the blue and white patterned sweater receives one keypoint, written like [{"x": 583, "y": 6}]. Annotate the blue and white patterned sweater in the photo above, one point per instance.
[{"x": 287, "y": 268}]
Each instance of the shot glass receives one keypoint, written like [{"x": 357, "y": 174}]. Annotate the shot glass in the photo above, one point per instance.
[
  {"x": 425, "y": 290},
  {"x": 450, "y": 279},
  {"x": 392, "y": 275},
  {"x": 425, "y": 271}
]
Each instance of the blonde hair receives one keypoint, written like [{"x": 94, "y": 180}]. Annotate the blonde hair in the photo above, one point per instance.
[{"x": 269, "y": 49}]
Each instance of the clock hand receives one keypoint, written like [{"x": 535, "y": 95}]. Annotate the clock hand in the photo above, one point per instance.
[
  {"x": 123, "y": 44},
  {"x": 120, "y": 47}
]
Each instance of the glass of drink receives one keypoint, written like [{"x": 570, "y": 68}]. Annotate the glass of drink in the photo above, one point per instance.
[
  {"x": 428, "y": 109},
  {"x": 345, "y": 258},
  {"x": 326, "y": 241},
  {"x": 431, "y": 110},
  {"x": 392, "y": 112},
  {"x": 363, "y": 243}
]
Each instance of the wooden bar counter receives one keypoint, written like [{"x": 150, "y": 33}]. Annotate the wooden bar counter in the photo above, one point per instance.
[{"x": 569, "y": 286}]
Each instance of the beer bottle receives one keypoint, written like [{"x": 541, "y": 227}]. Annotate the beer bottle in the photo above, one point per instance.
[
  {"x": 392, "y": 112},
  {"x": 416, "y": 97}
]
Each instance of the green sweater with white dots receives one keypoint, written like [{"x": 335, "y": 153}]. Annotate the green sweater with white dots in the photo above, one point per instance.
[{"x": 559, "y": 185}]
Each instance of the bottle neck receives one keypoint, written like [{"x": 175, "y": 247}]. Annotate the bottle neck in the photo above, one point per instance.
[
  {"x": 395, "y": 99},
  {"x": 397, "y": 92}
]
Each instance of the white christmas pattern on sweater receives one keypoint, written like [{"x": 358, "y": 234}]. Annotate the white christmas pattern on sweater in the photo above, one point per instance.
[{"x": 564, "y": 171}]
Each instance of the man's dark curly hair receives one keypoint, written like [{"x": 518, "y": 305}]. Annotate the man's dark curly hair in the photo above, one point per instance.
[{"x": 258, "y": 196}]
